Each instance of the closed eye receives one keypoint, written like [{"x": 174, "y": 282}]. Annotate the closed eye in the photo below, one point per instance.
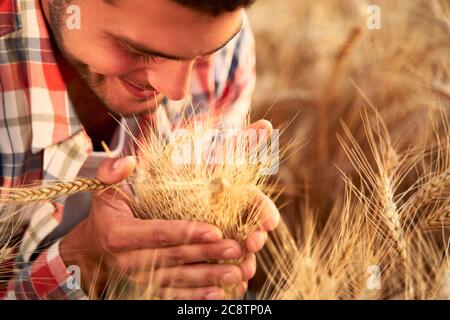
[
  {"x": 144, "y": 58},
  {"x": 140, "y": 57}
]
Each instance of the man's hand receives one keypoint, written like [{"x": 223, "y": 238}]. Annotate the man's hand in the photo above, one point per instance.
[
  {"x": 112, "y": 239},
  {"x": 172, "y": 254}
]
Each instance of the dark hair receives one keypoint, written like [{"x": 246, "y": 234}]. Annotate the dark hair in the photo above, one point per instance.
[
  {"x": 215, "y": 7},
  {"x": 211, "y": 7}
]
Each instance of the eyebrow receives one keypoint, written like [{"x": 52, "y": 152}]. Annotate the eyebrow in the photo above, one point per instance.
[{"x": 141, "y": 49}]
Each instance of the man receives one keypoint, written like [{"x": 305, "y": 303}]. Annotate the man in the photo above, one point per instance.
[{"x": 65, "y": 66}]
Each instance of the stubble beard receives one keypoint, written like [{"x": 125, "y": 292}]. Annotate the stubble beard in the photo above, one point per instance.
[{"x": 95, "y": 82}]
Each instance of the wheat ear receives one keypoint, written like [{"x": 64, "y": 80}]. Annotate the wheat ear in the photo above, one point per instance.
[{"x": 20, "y": 196}]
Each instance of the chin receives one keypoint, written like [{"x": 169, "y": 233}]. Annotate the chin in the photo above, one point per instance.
[
  {"x": 119, "y": 100},
  {"x": 120, "y": 103},
  {"x": 128, "y": 109}
]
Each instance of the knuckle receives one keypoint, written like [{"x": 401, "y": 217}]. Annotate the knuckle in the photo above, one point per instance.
[
  {"x": 156, "y": 258},
  {"x": 234, "y": 270},
  {"x": 180, "y": 279},
  {"x": 212, "y": 252},
  {"x": 212, "y": 277},
  {"x": 215, "y": 251},
  {"x": 189, "y": 230},
  {"x": 160, "y": 238},
  {"x": 175, "y": 257},
  {"x": 112, "y": 242}
]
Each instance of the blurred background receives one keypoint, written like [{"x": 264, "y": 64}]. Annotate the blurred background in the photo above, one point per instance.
[
  {"x": 319, "y": 62},
  {"x": 320, "y": 65}
]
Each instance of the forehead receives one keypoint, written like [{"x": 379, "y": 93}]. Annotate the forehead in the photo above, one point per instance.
[{"x": 165, "y": 25}]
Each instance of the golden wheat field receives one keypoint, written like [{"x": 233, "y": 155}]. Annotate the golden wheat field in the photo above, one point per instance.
[
  {"x": 370, "y": 187},
  {"x": 363, "y": 186}
]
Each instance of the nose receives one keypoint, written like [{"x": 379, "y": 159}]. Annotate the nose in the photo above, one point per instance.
[{"x": 171, "y": 78}]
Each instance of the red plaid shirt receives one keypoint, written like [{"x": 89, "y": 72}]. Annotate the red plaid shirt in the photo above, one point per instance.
[{"x": 42, "y": 138}]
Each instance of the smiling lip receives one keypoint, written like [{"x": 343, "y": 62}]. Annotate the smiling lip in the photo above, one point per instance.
[{"x": 137, "y": 91}]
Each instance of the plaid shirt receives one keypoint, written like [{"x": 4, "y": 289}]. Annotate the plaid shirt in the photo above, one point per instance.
[{"x": 42, "y": 138}]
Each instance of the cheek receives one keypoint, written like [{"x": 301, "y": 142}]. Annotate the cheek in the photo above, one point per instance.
[
  {"x": 101, "y": 57},
  {"x": 110, "y": 63}
]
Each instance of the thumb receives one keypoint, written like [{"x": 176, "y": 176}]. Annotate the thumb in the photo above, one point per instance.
[
  {"x": 261, "y": 125},
  {"x": 113, "y": 171},
  {"x": 263, "y": 133}
]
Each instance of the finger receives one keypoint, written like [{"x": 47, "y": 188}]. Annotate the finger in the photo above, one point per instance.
[
  {"x": 199, "y": 275},
  {"x": 266, "y": 211},
  {"x": 112, "y": 203},
  {"x": 261, "y": 125},
  {"x": 248, "y": 266},
  {"x": 239, "y": 290},
  {"x": 256, "y": 241},
  {"x": 150, "y": 284},
  {"x": 113, "y": 171},
  {"x": 261, "y": 130},
  {"x": 204, "y": 293},
  {"x": 133, "y": 234},
  {"x": 148, "y": 259}
]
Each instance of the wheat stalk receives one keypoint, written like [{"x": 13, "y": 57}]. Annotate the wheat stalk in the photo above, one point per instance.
[
  {"x": 20, "y": 196},
  {"x": 54, "y": 190},
  {"x": 332, "y": 263},
  {"x": 401, "y": 181},
  {"x": 437, "y": 219}
]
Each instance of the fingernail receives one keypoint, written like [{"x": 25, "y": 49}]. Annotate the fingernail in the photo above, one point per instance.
[
  {"x": 211, "y": 236},
  {"x": 215, "y": 295},
  {"x": 272, "y": 223},
  {"x": 262, "y": 237},
  {"x": 254, "y": 260},
  {"x": 231, "y": 253},
  {"x": 229, "y": 278},
  {"x": 118, "y": 163}
]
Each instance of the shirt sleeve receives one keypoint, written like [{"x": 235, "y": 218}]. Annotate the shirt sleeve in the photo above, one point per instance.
[{"x": 46, "y": 278}]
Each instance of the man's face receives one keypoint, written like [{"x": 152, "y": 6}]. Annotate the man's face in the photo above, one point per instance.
[{"x": 134, "y": 52}]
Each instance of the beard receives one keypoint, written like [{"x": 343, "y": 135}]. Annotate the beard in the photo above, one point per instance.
[{"x": 94, "y": 81}]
